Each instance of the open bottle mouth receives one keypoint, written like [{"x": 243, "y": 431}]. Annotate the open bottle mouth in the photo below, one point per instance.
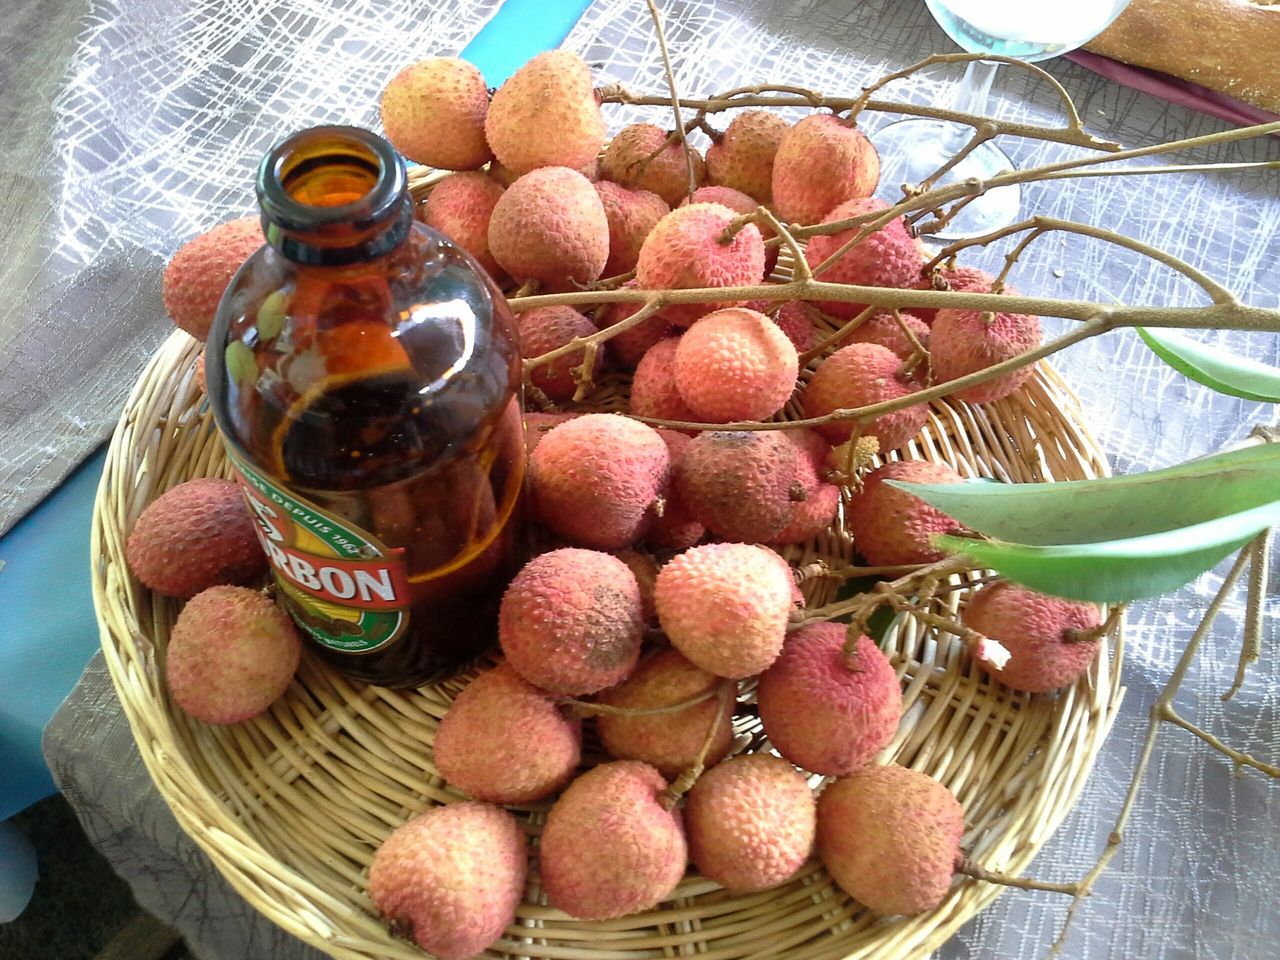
[{"x": 333, "y": 195}]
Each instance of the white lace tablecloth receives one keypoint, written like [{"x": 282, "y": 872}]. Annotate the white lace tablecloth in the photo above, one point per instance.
[{"x": 1196, "y": 875}]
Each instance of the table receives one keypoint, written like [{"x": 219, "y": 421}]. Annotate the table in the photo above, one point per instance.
[{"x": 1192, "y": 880}]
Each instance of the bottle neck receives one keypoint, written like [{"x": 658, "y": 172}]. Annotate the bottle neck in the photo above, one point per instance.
[{"x": 334, "y": 196}]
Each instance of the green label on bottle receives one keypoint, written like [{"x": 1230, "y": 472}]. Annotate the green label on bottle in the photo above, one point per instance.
[{"x": 340, "y": 583}]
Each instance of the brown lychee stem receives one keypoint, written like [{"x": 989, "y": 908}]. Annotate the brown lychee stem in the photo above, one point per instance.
[
  {"x": 997, "y": 286},
  {"x": 919, "y": 352},
  {"x": 589, "y": 708},
  {"x": 1162, "y": 709},
  {"x": 537, "y": 398},
  {"x": 612, "y": 283},
  {"x": 975, "y": 871},
  {"x": 526, "y": 289},
  {"x": 582, "y": 374},
  {"x": 725, "y": 693},
  {"x": 815, "y": 570},
  {"x": 600, "y": 336},
  {"x": 800, "y": 269},
  {"x": 675, "y": 94},
  {"x": 1094, "y": 634},
  {"x": 1259, "y": 573},
  {"x": 981, "y": 134}
]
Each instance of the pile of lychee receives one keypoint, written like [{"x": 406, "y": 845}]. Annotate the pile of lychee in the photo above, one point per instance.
[{"x": 662, "y": 609}]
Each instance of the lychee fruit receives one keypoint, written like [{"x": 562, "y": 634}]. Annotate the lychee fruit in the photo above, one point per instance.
[
  {"x": 654, "y": 392},
  {"x": 816, "y": 504},
  {"x": 198, "y": 274},
  {"x": 742, "y": 204},
  {"x": 505, "y": 741},
  {"x": 892, "y": 527},
  {"x": 631, "y": 215},
  {"x": 735, "y": 364},
  {"x": 824, "y": 711},
  {"x": 628, "y": 347},
  {"x": 886, "y": 331},
  {"x": 1037, "y": 637},
  {"x": 685, "y": 250},
  {"x": 670, "y": 741},
  {"x": 966, "y": 341},
  {"x": 460, "y": 206},
  {"x": 889, "y": 257},
  {"x": 629, "y": 160},
  {"x": 571, "y": 621},
  {"x": 890, "y": 837},
  {"x": 451, "y": 878},
  {"x": 645, "y": 570},
  {"x": 744, "y": 157},
  {"x": 750, "y": 822},
  {"x": 798, "y": 320},
  {"x": 536, "y": 426},
  {"x": 433, "y": 112},
  {"x": 194, "y": 536},
  {"x": 544, "y": 329},
  {"x": 231, "y": 654},
  {"x": 596, "y": 479},
  {"x": 677, "y": 528},
  {"x": 725, "y": 606},
  {"x": 550, "y": 226},
  {"x": 957, "y": 279},
  {"x": 742, "y": 485},
  {"x": 609, "y": 846},
  {"x": 546, "y": 115},
  {"x": 820, "y": 163},
  {"x": 859, "y": 375}
]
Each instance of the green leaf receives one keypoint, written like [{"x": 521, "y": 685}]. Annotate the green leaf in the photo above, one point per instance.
[
  {"x": 272, "y": 313},
  {"x": 1214, "y": 367},
  {"x": 1112, "y": 508},
  {"x": 1119, "y": 570}
]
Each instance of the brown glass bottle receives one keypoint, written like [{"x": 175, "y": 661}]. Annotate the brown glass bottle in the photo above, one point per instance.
[{"x": 364, "y": 373}]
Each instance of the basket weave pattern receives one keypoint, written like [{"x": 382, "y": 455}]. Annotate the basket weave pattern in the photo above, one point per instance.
[{"x": 292, "y": 805}]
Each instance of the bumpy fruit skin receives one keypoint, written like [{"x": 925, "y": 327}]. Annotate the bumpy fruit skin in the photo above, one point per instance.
[
  {"x": 725, "y": 607},
  {"x": 231, "y": 654},
  {"x": 677, "y": 528},
  {"x": 194, "y": 536},
  {"x": 433, "y": 112},
  {"x": 631, "y": 215},
  {"x": 735, "y": 364},
  {"x": 684, "y": 251},
  {"x": 460, "y": 206},
  {"x": 826, "y": 712},
  {"x": 1034, "y": 628},
  {"x": 741, "y": 203},
  {"x": 742, "y": 485},
  {"x": 596, "y": 478},
  {"x": 451, "y": 878},
  {"x": 546, "y": 115},
  {"x": 887, "y": 258},
  {"x": 645, "y": 570},
  {"x": 667, "y": 174},
  {"x": 629, "y": 347},
  {"x": 544, "y": 329},
  {"x": 744, "y": 157},
  {"x": 821, "y": 162},
  {"x": 670, "y": 742},
  {"x": 750, "y": 822},
  {"x": 816, "y": 510},
  {"x": 855, "y": 376},
  {"x": 890, "y": 837},
  {"x": 550, "y": 226},
  {"x": 536, "y": 426},
  {"x": 609, "y": 848},
  {"x": 654, "y": 392},
  {"x": 796, "y": 319},
  {"x": 957, "y": 280},
  {"x": 738, "y": 483},
  {"x": 571, "y": 621},
  {"x": 966, "y": 341},
  {"x": 505, "y": 741},
  {"x": 889, "y": 525},
  {"x": 194, "y": 280},
  {"x": 884, "y": 330}
]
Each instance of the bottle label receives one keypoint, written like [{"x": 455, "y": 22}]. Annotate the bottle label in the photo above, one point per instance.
[{"x": 340, "y": 583}]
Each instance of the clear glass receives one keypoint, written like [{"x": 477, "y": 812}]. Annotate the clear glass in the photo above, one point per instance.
[
  {"x": 364, "y": 363},
  {"x": 911, "y": 150}
]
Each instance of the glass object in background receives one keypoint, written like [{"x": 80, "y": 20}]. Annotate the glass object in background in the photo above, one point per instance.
[
  {"x": 365, "y": 377},
  {"x": 910, "y": 150}
]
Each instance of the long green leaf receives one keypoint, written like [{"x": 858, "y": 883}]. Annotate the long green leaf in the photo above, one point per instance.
[
  {"x": 1119, "y": 570},
  {"x": 1112, "y": 508},
  {"x": 1214, "y": 367}
]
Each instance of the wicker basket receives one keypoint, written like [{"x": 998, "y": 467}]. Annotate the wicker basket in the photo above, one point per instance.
[{"x": 291, "y": 806}]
